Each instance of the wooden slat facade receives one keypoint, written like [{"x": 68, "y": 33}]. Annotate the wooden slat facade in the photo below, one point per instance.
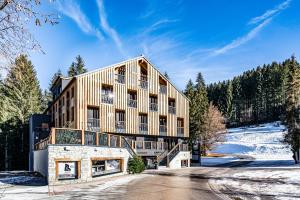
[{"x": 87, "y": 92}]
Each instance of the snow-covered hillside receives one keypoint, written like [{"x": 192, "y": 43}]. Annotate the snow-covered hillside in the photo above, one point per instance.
[{"x": 261, "y": 142}]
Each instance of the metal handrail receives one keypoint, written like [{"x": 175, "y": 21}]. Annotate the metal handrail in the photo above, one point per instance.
[
  {"x": 162, "y": 129},
  {"x": 163, "y": 89},
  {"x": 172, "y": 109},
  {"x": 121, "y": 78},
  {"x": 132, "y": 103},
  {"x": 107, "y": 99},
  {"x": 153, "y": 107}
]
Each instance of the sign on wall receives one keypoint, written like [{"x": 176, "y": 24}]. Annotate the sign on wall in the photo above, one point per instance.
[{"x": 67, "y": 170}]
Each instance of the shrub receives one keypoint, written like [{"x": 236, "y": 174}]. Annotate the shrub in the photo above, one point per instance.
[{"x": 136, "y": 165}]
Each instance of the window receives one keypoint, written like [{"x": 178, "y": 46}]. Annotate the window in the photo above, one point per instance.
[
  {"x": 72, "y": 92},
  {"x": 93, "y": 122},
  {"x": 143, "y": 123},
  {"x": 144, "y": 78},
  {"x": 63, "y": 101},
  {"x": 153, "y": 103},
  {"x": 102, "y": 167},
  {"x": 120, "y": 121},
  {"x": 162, "y": 85},
  {"x": 180, "y": 127},
  {"x": 67, "y": 169},
  {"x": 121, "y": 74},
  {"x": 132, "y": 99},
  {"x": 72, "y": 113},
  {"x": 162, "y": 125},
  {"x": 107, "y": 94},
  {"x": 172, "y": 106}
]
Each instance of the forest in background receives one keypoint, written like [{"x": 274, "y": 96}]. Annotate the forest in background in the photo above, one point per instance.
[{"x": 256, "y": 96}]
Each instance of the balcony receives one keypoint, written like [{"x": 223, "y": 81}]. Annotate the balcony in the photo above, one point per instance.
[
  {"x": 172, "y": 110},
  {"x": 107, "y": 99},
  {"x": 121, "y": 78},
  {"x": 180, "y": 131},
  {"x": 132, "y": 103},
  {"x": 120, "y": 126},
  {"x": 163, "y": 89},
  {"x": 163, "y": 130},
  {"x": 143, "y": 128},
  {"x": 144, "y": 84},
  {"x": 153, "y": 107},
  {"x": 93, "y": 124}
]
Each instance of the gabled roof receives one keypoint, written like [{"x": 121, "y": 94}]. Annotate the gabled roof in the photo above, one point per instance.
[{"x": 131, "y": 59}]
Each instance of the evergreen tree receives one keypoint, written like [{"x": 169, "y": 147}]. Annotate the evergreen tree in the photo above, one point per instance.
[
  {"x": 166, "y": 75},
  {"x": 292, "y": 107},
  {"x": 229, "y": 100},
  {"x": 22, "y": 90},
  {"x": 200, "y": 80},
  {"x": 77, "y": 67}
]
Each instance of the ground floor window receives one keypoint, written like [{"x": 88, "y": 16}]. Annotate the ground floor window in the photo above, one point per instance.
[
  {"x": 103, "y": 167},
  {"x": 184, "y": 163},
  {"x": 67, "y": 170}
]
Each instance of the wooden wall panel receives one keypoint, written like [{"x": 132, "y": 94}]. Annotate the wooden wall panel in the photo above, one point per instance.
[{"x": 88, "y": 93}]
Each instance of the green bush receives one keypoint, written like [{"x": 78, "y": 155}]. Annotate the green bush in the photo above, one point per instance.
[{"x": 136, "y": 165}]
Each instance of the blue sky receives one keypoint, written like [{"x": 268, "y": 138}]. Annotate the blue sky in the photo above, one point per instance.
[{"x": 221, "y": 39}]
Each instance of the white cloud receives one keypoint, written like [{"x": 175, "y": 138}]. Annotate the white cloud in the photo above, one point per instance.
[
  {"x": 72, "y": 10},
  {"x": 111, "y": 32},
  {"x": 242, "y": 40},
  {"x": 270, "y": 13},
  {"x": 158, "y": 24}
]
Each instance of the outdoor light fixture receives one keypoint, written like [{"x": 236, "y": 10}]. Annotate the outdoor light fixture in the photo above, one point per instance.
[{"x": 65, "y": 149}]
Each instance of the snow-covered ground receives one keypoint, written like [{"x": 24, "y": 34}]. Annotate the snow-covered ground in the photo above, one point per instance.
[
  {"x": 273, "y": 174},
  {"x": 263, "y": 142}
]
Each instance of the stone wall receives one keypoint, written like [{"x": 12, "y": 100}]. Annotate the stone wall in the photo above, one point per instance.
[{"x": 84, "y": 154}]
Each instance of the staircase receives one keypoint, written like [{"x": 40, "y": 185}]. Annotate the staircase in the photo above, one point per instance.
[{"x": 166, "y": 157}]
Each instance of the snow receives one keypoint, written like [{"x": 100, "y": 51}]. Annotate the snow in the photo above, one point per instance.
[
  {"x": 273, "y": 174},
  {"x": 261, "y": 142},
  {"x": 41, "y": 192}
]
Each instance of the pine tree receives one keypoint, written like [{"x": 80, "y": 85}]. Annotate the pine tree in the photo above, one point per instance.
[
  {"x": 22, "y": 90},
  {"x": 77, "y": 67},
  {"x": 292, "y": 106},
  {"x": 166, "y": 75},
  {"x": 200, "y": 80},
  {"x": 229, "y": 100}
]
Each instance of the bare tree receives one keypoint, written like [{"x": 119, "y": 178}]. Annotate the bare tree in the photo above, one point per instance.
[
  {"x": 15, "y": 39},
  {"x": 214, "y": 129}
]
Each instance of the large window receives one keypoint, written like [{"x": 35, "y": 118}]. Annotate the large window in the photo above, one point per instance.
[
  {"x": 120, "y": 74},
  {"x": 120, "y": 121},
  {"x": 180, "y": 127},
  {"x": 132, "y": 99},
  {"x": 103, "y": 167},
  {"x": 162, "y": 125},
  {"x": 153, "y": 103},
  {"x": 107, "y": 95},
  {"x": 172, "y": 106},
  {"x": 67, "y": 169},
  {"x": 93, "y": 119},
  {"x": 143, "y": 123}
]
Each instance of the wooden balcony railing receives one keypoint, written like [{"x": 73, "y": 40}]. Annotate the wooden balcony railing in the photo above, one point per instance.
[{"x": 92, "y": 124}]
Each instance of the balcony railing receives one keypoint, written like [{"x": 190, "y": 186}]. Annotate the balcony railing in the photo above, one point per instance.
[
  {"x": 172, "y": 110},
  {"x": 162, "y": 130},
  {"x": 153, "y": 107},
  {"x": 93, "y": 124},
  {"x": 121, "y": 78},
  {"x": 163, "y": 89},
  {"x": 150, "y": 145},
  {"x": 107, "y": 99},
  {"x": 180, "y": 131},
  {"x": 144, "y": 84},
  {"x": 120, "y": 127},
  {"x": 132, "y": 103},
  {"x": 143, "y": 127}
]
